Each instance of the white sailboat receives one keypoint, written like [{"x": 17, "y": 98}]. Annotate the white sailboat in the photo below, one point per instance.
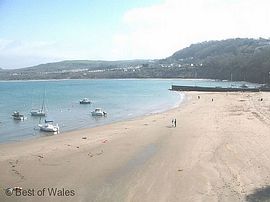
[
  {"x": 48, "y": 125},
  {"x": 39, "y": 112}
]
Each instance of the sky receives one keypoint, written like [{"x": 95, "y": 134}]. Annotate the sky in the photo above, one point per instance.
[{"x": 37, "y": 31}]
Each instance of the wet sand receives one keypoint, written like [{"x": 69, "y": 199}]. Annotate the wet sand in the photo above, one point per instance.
[{"x": 219, "y": 151}]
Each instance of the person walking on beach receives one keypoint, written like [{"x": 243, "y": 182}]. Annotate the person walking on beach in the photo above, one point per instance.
[{"x": 175, "y": 123}]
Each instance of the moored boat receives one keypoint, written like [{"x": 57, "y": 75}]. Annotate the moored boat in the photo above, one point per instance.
[
  {"x": 48, "y": 126},
  {"x": 17, "y": 116},
  {"x": 85, "y": 101},
  {"x": 98, "y": 112},
  {"x": 38, "y": 112}
]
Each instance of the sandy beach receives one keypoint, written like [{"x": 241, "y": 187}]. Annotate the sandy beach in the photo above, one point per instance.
[{"x": 219, "y": 151}]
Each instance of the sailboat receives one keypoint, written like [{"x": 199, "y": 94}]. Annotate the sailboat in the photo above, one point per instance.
[
  {"x": 48, "y": 125},
  {"x": 39, "y": 112}
]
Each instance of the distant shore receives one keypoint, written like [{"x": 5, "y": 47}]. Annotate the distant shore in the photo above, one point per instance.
[{"x": 217, "y": 152}]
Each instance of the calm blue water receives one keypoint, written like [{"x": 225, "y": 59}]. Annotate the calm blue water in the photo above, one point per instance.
[{"x": 122, "y": 99}]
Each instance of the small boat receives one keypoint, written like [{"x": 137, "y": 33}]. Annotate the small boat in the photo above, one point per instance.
[
  {"x": 85, "y": 101},
  {"x": 38, "y": 112},
  {"x": 98, "y": 112},
  {"x": 244, "y": 86},
  {"x": 17, "y": 116},
  {"x": 48, "y": 126}
]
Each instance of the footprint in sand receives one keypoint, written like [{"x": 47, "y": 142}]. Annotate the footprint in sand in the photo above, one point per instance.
[
  {"x": 40, "y": 157},
  {"x": 96, "y": 154},
  {"x": 18, "y": 173},
  {"x": 90, "y": 154},
  {"x": 71, "y": 145},
  {"x": 13, "y": 164}
]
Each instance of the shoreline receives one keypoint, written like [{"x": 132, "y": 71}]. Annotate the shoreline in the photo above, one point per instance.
[
  {"x": 218, "y": 152},
  {"x": 168, "y": 79},
  {"x": 181, "y": 100},
  {"x": 71, "y": 133}
]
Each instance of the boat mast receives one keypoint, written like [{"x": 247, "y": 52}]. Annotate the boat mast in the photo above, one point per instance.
[{"x": 43, "y": 102}]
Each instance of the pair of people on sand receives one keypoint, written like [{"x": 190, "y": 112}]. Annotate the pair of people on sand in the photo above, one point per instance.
[{"x": 173, "y": 122}]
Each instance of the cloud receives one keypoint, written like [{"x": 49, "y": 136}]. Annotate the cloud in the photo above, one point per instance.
[
  {"x": 159, "y": 30},
  {"x": 150, "y": 32}
]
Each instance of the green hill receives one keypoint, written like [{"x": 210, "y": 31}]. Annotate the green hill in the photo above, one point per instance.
[{"x": 236, "y": 59}]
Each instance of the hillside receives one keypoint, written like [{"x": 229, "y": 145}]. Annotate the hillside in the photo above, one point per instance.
[
  {"x": 236, "y": 59},
  {"x": 75, "y": 69},
  {"x": 231, "y": 59}
]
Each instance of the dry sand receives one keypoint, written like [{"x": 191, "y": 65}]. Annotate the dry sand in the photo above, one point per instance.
[{"x": 219, "y": 151}]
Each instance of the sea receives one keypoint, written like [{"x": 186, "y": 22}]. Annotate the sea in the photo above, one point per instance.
[{"x": 122, "y": 99}]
